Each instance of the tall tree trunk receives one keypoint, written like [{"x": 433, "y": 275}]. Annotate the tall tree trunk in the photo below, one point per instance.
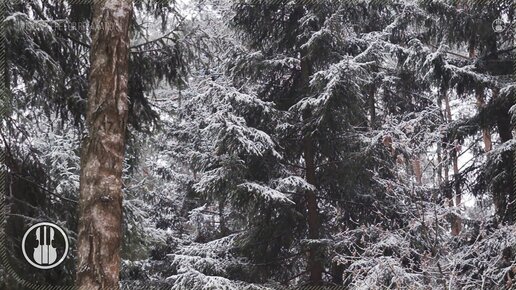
[
  {"x": 315, "y": 267},
  {"x": 447, "y": 107},
  {"x": 479, "y": 95},
  {"x": 448, "y": 193},
  {"x": 442, "y": 165},
  {"x": 102, "y": 156},
  {"x": 372, "y": 107},
  {"x": 456, "y": 221}
]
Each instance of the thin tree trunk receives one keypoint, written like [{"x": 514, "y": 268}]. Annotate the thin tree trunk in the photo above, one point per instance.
[
  {"x": 486, "y": 135},
  {"x": 446, "y": 170},
  {"x": 455, "y": 154},
  {"x": 442, "y": 157},
  {"x": 439, "y": 166},
  {"x": 416, "y": 167},
  {"x": 439, "y": 154},
  {"x": 447, "y": 107},
  {"x": 102, "y": 156},
  {"x": 372, "y": 107},
  {"x": 479, "y": 95},
  {"x": 456, "y": 221},
  {"x": 445, "y": 144},
  {"x": 314, "y": 264}
]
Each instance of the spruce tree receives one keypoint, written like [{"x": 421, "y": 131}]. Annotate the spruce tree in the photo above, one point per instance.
[{"x": 100, "y": 200}]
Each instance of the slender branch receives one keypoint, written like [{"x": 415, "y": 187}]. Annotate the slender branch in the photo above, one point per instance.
[
  {"x": 329, "y": 198},
  {"x": 165, "y": 36},
  {"x": 449, "y": 52},
  {"x": 296, "y": 276},
  {"x": 293, "y": 165},
  {"x": 44, "y": 188},
  {"x": 23, "y": 216},
  {"x": 74, "y": 39}
]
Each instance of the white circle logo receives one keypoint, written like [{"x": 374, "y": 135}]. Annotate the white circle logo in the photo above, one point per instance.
[
  {"x": 498, "y": 25},
  {"x": 45, "y": 245}
]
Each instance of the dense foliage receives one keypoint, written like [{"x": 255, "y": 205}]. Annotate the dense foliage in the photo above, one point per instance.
[{"x": 281, "y": 143}]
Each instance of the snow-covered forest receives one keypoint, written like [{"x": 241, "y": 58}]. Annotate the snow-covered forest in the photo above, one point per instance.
[{"x": 277, "y": 144}]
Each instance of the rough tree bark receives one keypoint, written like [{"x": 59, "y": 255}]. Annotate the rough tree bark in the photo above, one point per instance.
[{"x": 100, "y": 202}]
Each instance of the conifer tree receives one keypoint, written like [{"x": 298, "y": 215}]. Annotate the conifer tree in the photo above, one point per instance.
[
  {"x": 102, "y": 157},
  {"x": 359, "y": 144}
]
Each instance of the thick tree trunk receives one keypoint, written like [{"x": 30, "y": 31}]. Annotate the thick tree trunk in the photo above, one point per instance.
[
  {"x": 315, "y": 267},
  {"x": 100, "y": 203}
]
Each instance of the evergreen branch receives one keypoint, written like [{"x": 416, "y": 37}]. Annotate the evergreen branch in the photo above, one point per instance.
[
  {"x": 43, "y": 17},
  {"x": 293, "y": 165},
  {"x": 449, "y": 52},
  {"x": 498, "y": 52},
  {"x": 44, "y": 188},
  {"x": 23, "y": 216},
  {"x": 329, "y": 198},
  {"x": 165, "y": 36},
  {"x": 74, "y": 39},
  {"x": 296, "y": 276},
  {"x": 278, "y": 260}
]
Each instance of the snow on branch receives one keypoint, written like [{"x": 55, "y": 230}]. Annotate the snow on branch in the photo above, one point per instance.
[{"x": 265, "y": 193}]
